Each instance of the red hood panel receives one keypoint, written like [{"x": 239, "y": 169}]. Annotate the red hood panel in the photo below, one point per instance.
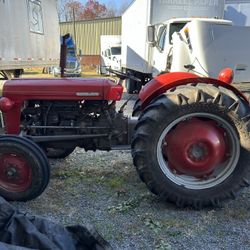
[{"x": 62, "y": 89}]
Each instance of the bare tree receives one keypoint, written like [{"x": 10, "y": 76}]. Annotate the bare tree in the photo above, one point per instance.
[{"x": 70, "y": 10}]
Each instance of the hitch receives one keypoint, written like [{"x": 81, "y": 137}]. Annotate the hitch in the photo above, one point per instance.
[{"x": 123, "y": 75}]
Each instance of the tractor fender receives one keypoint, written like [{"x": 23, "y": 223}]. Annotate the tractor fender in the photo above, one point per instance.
[{"x": 164, "y": 82}]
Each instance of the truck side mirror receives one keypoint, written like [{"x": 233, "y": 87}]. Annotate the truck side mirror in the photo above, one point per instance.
[{"x": 151, "y": 35}]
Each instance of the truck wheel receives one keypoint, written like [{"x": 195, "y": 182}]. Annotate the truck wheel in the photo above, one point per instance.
[
  {"x": 58, "y": 153},
  {"x": 191, "y": 145},
  {"x": 137, "y": 108},
  {"x": 24, "y": 169}
]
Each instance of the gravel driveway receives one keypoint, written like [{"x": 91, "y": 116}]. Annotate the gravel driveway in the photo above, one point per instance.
[{"x": 102, "y": 188}]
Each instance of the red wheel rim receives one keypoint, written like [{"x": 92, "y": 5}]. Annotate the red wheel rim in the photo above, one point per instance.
[
  {"x": 195, "y": 147},
  {"x": 170, "y": 155},
  {"x": 15, "y": 172}
]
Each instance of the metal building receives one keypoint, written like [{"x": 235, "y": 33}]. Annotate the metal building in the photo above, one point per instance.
[{"x": 87, "y": 34}]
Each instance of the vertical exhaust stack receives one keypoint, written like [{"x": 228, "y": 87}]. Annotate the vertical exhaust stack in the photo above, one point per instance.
[{"x": 63, "y": 53}]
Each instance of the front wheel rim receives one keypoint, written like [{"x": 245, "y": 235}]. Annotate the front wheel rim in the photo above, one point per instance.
[
  {"x": 219, "y": 174},
  {"x": 15, "y": 173}
]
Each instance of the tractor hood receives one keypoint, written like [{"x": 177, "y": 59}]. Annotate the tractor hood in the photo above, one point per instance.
[{"x": 18, "y": 90}]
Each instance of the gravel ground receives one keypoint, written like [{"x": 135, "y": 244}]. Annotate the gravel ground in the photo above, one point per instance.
[{"x": 103, "y": 188}]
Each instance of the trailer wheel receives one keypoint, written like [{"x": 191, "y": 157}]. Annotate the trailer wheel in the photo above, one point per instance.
[
  {"x": 58, "y": 153},
  {"x": 24, "y": 169},
  {"x": 191, "y": 145},
  {"x": 137, "y": 108}
]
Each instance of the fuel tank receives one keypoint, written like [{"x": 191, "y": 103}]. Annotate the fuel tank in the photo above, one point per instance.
[{"x": 18, "y": 90}]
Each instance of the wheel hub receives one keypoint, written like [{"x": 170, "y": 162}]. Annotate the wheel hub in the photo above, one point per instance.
[
  {"x": 197, "y": 152},
  {"x": 15, "y": 173},
  {"x": 11, "y": 172},
  {"x": 195, "y": 147}
]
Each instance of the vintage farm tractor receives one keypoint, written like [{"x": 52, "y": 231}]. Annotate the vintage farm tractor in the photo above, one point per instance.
[{"x": 190, "y": 143}]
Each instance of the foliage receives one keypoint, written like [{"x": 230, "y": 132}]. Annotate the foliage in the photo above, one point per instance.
[
  {"x": 93, "y": 9},
  {"x": 70, "y": 10}
]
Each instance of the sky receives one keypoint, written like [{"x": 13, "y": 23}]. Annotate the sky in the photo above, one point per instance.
[{"x": 114, "y": 3}]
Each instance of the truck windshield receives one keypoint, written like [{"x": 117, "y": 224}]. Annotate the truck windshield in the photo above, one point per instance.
[
  {"x": 175, "y": 27},
  {"x": 116, "y": 50}
]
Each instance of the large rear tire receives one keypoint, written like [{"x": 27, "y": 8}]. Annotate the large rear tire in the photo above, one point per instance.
[
  {"x": 24, "y": 169},
  {"x": 191, "y": 145},
  {"x": 137, "y": 108}
]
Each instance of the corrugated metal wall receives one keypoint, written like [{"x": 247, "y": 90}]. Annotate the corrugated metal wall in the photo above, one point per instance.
[{"x": 88, "y": 32}]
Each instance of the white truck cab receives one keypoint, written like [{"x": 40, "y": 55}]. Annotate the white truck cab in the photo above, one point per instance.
[
  {"x": 110, "y": 53},
  {"x": 162, "y": 43},
  {"x": 205, "y": 47}
]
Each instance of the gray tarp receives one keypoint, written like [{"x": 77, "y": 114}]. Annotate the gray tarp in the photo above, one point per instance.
[{"x": 19, "y": 231}]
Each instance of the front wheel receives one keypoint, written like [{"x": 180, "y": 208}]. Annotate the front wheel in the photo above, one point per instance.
[
  {"x": 24, "y": 169},
  {"x": 191, "y": 145}
]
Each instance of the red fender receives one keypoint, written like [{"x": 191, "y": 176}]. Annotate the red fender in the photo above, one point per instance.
[{"x": 164, "y": 82}]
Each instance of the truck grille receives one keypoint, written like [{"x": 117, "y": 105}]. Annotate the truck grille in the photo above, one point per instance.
[{"x": 70, "y": 65}]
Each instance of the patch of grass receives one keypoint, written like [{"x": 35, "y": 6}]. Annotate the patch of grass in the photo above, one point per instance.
[
  {"x": 125, "y": 206},
  {"x": 177, "y": 223},
  {"x": 152, "y": 224},
  {"x": 116, "y": 182},
  {"x": 65, "y": 174},
  {"x": 241, "y": 213},
  {"x": 163, "y": 245}
]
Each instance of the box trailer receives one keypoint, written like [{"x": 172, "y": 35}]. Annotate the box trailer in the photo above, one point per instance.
[
  {"x": 29, "y": 35},
  {"x": 137, "y": 58}
]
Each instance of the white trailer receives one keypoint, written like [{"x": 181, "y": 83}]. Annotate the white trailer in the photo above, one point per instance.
[
  {"x": 110, "y": 53},
  {"x": 139, "y": 58},
  {"x": 30, "y": 35}
]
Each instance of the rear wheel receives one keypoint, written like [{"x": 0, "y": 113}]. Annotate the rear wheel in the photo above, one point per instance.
[
  {"x": 137, "y": 108},
  {"x": 191, "y": 145},
  {"x": 24, "y": 169}
]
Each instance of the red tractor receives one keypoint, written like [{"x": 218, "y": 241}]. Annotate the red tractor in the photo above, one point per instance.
[{"x": 190, "y": 143}]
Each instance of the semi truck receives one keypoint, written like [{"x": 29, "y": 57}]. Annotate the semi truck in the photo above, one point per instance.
[
  {"x": 30, "y": 35},
  {"x": 140, "y": 58},
  {"x": 147, "y": 49},
  {"x": 73, "y": 65},
  {"x": 110, "y": 53}
]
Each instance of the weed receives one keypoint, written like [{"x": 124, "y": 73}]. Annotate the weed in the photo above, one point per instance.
[
  {"x": 152, "y": 224},
  {"x": 163, "y": 245},
  {"x": 125, "y": 206},
  {"x": 115, "y": 182}
]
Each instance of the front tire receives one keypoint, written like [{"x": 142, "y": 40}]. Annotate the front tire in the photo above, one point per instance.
[
  {"x": 191, "y": 145},
  {"x": 24, "y": 169}
]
